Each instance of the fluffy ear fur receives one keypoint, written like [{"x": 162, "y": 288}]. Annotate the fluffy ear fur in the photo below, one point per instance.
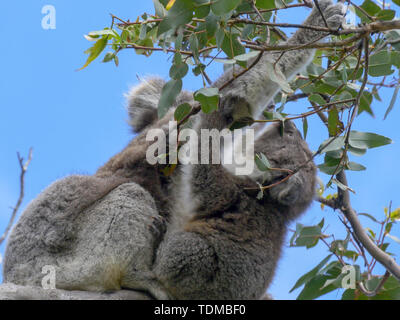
[{"x": 142, "y": 102}]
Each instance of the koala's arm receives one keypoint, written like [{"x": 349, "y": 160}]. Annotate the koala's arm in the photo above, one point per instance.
[{"x": 254, "y": 90}]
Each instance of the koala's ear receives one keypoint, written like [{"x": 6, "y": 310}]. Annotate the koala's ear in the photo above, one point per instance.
[
  {"x": 142, "y": 102},
  {"x": 287, "y": 127}
]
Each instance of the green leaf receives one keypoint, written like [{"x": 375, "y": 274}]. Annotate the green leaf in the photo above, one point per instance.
[
  {"x": 116, "y": 61},
  {"x": 247, "y": 56},
  {"x": 370, "y": 7},
  {"x": 95, "y": 50},
  {"x": 109, "y": 56},
  {"x": 262, "y": 162},
  {"x": 282, "y": 3},
  {"x": 393, "y": 36},
  {"x": 211, "y": 25},
  {"x": 305, "y": 127},
  {"x": 386, "y": 15},
  {"x": 194, "y": 45},
  {"x": 329, "y": 145},
  {"x": 178, "y": 71},
  {"x": 396, "y": 2},
  {"x": 368, "y": 216},
  {"x": 380, "y": 70},
  {"x": 143, "y": 31},
  {"x": 168, "y": 95},
  {"x": 180, "y": 13},
  {"x": 395, "y": 59},
  {"x": 365, "y": 103},
  {"x": 330, "y": 170},
  {"x": 395, "y": 214},
  {"x": 311, "y": 274},
  {"x": 380, "y": 64},
  {"x": 202, "y": 8},
  {"x": 392, "y": 101},
  {"x": 199, "y": 69},
  {"x": 266, "y": 4},
  {"x": 394, "y": 238},
  {"x": 105, "y": 32},
  {"x": 333, "y": 122},
  {"x": 208, "y": 98},
  {"x": 316, "y": 288},
  {"x": 219, "y": 37},
  {"x": 231, "y": 46},
  {"x": 317, "y": 99},
  {"x": 342, "y": 186},
  {"x": 349, "y": 294},
  {"x": 248, "y": 31},
  {"x": 220, "y": 7},
  {"x": 159, "y": 9},
  {"x": 367, "y": 140},
  {"x": 182, "y": 111},
  {"x": 353, "y": 166},
  {"x": 308, "y": 236},
  {"x": 145, "y": 43},
  {"x": 357, "y": 151}
]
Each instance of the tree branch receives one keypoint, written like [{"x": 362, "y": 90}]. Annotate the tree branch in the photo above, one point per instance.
[
  {"x": 345, "y": 206},
  {"x": 24, "y": 168}
]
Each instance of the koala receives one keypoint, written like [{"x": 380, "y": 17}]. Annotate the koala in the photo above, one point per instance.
[{"x": 200, "y": 234}]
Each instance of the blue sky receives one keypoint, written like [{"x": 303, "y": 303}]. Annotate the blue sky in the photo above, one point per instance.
[{"x": 76, "y": 121}]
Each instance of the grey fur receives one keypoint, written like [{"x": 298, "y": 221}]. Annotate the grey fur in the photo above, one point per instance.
[
  {"x": 117, "y": 229},
  {"x": 230, "y": 246},
  {"x": 98, "y": 249}
]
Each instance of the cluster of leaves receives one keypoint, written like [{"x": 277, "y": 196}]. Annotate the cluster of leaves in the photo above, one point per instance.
[
  {"x": 194, "y": 31},
  {"x": 200, "y": 30},
  {"x": 342, "y": 81},
  {"x": 329, "y": 276}
]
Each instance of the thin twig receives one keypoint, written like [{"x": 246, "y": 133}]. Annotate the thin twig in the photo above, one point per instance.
[
  {"x": 24, "y": 168},
  {"x": 321, "y": 13},
  {"x": 377, "y": 289}
]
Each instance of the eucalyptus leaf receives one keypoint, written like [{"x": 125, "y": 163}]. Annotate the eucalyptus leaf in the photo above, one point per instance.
[
  {"x": 180, "y": 13},
  {"x": 262, "y": 162},
  {"x": 182, "y": 111},
  {"x": 208, "y": 98},
  {"x": 168, "y": 95},
  {"x": 95, "y": 50},
  {"x": 367, "y": 140},
  {"x": 220, "y": 7},
  {"x": 311, "y": 274},
  {"x": 392, "y": 101}
]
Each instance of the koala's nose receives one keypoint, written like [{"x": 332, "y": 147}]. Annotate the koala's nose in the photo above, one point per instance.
[{"x": 291, "y": 191}]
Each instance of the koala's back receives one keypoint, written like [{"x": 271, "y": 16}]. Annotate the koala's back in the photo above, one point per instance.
[{"x": 97, "y": 248}]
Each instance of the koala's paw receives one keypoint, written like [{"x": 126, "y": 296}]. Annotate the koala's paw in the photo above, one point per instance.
[
  {"x": 288, "y": 192},
  {"x": 323, "y": 4},
  {"x": 334, "y": 15}
]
